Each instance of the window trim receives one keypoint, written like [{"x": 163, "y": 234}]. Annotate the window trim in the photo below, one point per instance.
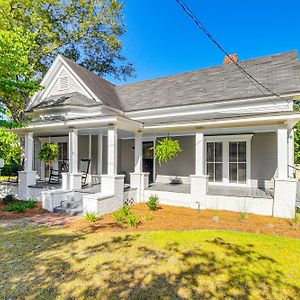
[{"x": 225, "y": 139}]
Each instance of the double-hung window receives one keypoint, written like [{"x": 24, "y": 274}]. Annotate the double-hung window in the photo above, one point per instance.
[{"x": 214, "y": 161}]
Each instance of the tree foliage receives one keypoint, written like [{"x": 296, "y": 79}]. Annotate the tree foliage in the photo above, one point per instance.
[
  {"x": 85, "y": 31},
  {"x": 166, "y": 149},
  {"x": 10, "y": 148},
  {"x": 33, "y": 32},
  {"x": 297, "y": 136},
  {"x": 17, "y": 82}
]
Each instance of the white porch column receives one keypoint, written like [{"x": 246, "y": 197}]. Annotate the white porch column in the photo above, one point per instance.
[
  {"x": 282, "y": 152},
  {"x": 138, "y": 153},
  {"x": 199, "y": 181},
  {"x": 112, "y": 184},
  {"x": 112, "y": 151},
  {"x": 285, "y": 188},
  {"x": 73, "y": 151},
  {"x": 291, "y": 154},
  {"x": 74, "y": 181},
  {"x": 139, "y": 179},
  {"x": 28, "y": 176},
  {"x": 199, "y": 153}
]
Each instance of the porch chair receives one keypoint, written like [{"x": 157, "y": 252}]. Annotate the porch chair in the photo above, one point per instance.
[
  {"x": 55, "y": 174},
  {"x": 84, "y": 169}
]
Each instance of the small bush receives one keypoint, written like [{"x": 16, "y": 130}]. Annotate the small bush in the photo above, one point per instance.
[
  {"x": 21, "y": 206},
  {"x": 132, "y": 220},
  {"x": 91, "y": 217},
  {"x": 17, "y": 207},
  {"x": 243, "y": 216},
  {"x": 148, "y": 218},
  {"x": 9, "y": 199},
  {"x": 125, "y": 217},
  {"x": 153, "y": 202},
  {"x": 296, "y": 221},
  {"x": 30, "y": 203}
]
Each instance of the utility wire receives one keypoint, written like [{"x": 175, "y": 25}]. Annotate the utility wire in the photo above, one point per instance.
[{"x": 253, "y": 80}]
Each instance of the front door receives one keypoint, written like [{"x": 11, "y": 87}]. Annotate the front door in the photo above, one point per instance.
[{"x": 148, "y": 159}]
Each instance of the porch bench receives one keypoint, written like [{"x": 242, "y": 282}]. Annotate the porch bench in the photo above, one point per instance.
[{"x": 166, "y": 179}]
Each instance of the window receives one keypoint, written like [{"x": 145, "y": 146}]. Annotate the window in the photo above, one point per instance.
[
  {"x": 228, "y": 159},
  {"x": 237, "y": 162},
  {"x": 214, "y": 161},
  {"x": 63, "y": 153}
]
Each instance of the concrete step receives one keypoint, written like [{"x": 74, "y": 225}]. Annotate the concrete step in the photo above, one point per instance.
[
  {"x": 69, "y": 211},
  {"x": 73, "y": 206}
]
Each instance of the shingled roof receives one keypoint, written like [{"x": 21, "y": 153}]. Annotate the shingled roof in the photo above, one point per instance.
[{"x": 279, "y": 72}]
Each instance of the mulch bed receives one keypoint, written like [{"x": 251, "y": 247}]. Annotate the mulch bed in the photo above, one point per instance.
[
  {"x": 13, "y": 215},
  {"x": 181, "y": 218}
]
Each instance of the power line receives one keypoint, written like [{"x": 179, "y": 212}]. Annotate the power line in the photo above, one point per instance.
[{"x": 253, "y": 80}]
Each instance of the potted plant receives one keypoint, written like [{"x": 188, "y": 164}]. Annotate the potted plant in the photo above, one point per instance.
[
  {"x": 49, "y": 153},
  {"x": 166, "y": 149}
]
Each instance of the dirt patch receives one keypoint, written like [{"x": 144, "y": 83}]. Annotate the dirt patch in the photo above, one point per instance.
[
  {"x": 4, "y": 215},
  {"x": 181, "y": 218}
]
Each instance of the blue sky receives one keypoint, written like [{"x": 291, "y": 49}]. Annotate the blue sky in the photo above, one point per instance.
[{"x": 161, "y": 39}]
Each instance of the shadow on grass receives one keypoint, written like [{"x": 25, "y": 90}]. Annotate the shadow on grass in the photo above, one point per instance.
[{"x": 35, "y": 263}]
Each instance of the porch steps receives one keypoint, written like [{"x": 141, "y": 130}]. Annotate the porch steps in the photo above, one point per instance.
[{"x": 73, "y": 206}]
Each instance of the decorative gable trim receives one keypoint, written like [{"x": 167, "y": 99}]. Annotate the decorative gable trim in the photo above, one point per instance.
[{"x": 59, "y": 69}]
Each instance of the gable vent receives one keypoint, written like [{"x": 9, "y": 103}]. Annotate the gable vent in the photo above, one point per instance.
[{"x": 63, "y": 82}]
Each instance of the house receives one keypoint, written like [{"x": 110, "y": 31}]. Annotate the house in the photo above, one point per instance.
[{"x": 236, "y": 138}]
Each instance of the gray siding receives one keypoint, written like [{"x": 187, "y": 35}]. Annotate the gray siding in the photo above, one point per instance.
[
  {"x": 264, "y": 158},
  {"x": 126, "y": 156},
  {"x": 184, "y": 163}
]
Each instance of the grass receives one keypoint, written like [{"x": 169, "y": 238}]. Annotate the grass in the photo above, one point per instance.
[{"x": 39, "y": 262}]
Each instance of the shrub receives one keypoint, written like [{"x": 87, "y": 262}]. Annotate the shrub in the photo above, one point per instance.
[
  {"x": 17, "y": 207},
  {"x": 153, "y": 202},
  {"x": 132, "y": 220},
  {"x": 91, "y": 217},
  {"x": 243, "y": 216},
  {"x": 125, "y": 217},
  {"x": 30, "y": 203},
  {"x": 296, "y": 221},
  {"x": 8, "y": 199}
]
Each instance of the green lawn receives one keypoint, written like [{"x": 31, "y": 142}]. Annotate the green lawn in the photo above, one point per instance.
[{"x": 53, "y": 263}]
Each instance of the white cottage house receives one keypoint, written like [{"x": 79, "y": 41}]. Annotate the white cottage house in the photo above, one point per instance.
[{"x": 237, "y": 141}]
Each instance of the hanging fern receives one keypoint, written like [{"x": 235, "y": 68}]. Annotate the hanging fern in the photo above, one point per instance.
[
  {"x": 49, "y": 153},
  {"x": 166, "y": 149}
]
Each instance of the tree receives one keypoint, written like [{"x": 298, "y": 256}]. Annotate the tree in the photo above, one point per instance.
[
  {"x": 10, "y": 148},
  {"x": 86, "y": 31},
  {"x": 17, "y": 82},
  {"x": 297, "y": 135}
]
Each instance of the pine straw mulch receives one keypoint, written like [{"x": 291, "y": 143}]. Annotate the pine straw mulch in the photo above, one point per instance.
[
  {"x": 181, "y": 218},
  {"x": 13, "y": 215}
]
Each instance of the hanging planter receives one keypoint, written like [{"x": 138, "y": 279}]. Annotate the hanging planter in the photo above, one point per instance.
[
  {"x": 49, "y": 153},
  {"x": 166, "y": 149}
]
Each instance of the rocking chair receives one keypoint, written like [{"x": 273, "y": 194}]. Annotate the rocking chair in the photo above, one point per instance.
[
  {"x": 84, "y": 169},
  {"x": 55, "y": 175}
]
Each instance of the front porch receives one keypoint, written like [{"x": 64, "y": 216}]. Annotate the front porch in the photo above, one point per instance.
[{"x": 234, "y": 168}]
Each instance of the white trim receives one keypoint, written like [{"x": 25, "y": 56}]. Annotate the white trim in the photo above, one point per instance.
[
  {"x": 201, "y": 105},
  {"x": 238, "y": 121},
  {"x": 225, "y": 139}
]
